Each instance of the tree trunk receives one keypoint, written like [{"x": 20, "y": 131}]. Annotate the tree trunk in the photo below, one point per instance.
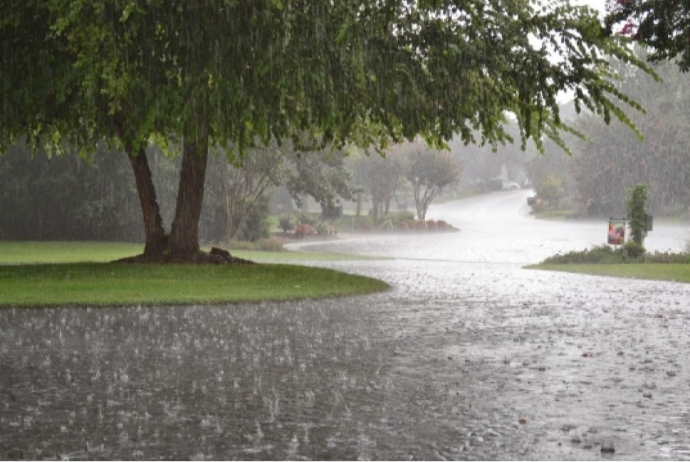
[
  {"x": 421, "y": 212},
  {"x": 153, "y": 223},
  {"x": 229, "y": 206},
  {"x": 184, "y": 238},
  {"x": 376, "y": 206}
]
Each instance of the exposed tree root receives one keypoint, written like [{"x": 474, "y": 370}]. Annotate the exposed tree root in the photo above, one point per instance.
[{"x": 215, "y": 257}]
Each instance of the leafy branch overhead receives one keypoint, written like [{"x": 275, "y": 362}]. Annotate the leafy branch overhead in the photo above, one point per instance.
[{"x": 272, "y": 69}]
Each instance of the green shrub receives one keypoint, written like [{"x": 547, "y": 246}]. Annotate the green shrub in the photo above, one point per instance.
[
  {"x": 668, "y": 257},
  {"x": 401, "y": 215},
  {"x": 255, "y": 225},
  {"x": 636, "y": 205},
  {"x": 344, "y": 224},
  {"x": 350, "y": 223},
  {"x": 551, "y": 190},
  {"x": 634, "y": 250},
  {"x": 286, "y": 223},
  {"x": 538, "y": 208},
  {"x": 365, "y": 224},
  {"x": 597, "y": 254},
  {"x": 387, "y": 224},
  {"x": 410, "y": 222},
  {"x": 630, "y": 252},
  {"x": 322, "y": 229},
  {"x": 268, "y": 245}
]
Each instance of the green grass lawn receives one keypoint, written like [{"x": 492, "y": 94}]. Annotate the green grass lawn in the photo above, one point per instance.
[
  {"x": 653, "y": 271},
  {"x": 76, "y": 274},
  {"x": 13, "y": 252}
]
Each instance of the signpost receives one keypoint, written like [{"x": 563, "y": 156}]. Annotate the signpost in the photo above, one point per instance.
[{"x": 616, "y": 234}]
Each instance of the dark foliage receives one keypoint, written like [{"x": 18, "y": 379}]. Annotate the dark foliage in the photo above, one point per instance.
[
  {"x": 68, "y": 198},
  {"x": 631, "y": 252},
  {"x": 71, "y": 198}
]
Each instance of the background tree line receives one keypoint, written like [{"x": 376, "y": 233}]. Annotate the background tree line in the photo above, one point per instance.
[
  {"x": 69, "y": 197},
  {"x": 612, "y": 160},
  {"x": 94, "y": 198}
]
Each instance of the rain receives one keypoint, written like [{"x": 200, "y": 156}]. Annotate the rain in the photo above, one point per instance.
[{"x": 468, "y": 355}]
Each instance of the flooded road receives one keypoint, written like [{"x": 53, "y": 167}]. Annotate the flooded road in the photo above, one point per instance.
[
  {"x": 498, "y": 228},
  {"x": 468, "y": 356}
]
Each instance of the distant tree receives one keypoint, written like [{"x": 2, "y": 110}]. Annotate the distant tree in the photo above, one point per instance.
[
  {"x": 322, "y": 175},
  {"x": 381, "y": 177},
  {"x": 255, "y": 224},
  {"x": 428, "y": 171},
  {"x": 613, "y": 159},
  {"x": 482, "y": 163},
  {"x": 538, "y": 167},
  {"x": 245, "y": 183},
  {"x": 69, "y": 197}
]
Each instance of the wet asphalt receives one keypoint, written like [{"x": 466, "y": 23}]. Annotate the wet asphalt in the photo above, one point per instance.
[{"x": 468, "y": 356}]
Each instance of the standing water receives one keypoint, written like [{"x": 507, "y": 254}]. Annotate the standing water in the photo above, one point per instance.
[{"x": 469, "y": 356}]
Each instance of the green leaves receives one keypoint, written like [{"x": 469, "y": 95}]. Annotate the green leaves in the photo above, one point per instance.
[
  {"x": 660, "y": 25},
  {"x": 636, "y": 205},
  {"x": 272, "y": 68}
]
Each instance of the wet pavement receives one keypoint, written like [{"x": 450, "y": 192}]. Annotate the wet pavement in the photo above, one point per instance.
[{"x": 468, "y": 356}]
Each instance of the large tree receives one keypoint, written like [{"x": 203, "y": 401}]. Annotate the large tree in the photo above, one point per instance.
[{"x": 209, "y": 72}]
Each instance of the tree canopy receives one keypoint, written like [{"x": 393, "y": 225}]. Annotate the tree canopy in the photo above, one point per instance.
[
  {"x": 660, "y": 25},
  {"x": 320, "y": 72}
]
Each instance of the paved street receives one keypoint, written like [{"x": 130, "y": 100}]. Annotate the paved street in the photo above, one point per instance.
[{"x": 468, "y": 356}]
